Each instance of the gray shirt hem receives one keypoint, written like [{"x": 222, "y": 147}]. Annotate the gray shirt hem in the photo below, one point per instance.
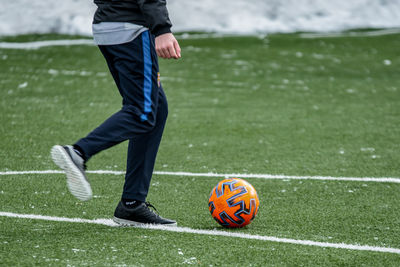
[{"x": 113, "y": 33}]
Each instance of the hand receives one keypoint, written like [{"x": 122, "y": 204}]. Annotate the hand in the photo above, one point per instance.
[{"x": 167, "y": 46}]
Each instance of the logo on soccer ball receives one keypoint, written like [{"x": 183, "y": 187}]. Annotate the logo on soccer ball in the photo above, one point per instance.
[{"x": 233, "y": 203}]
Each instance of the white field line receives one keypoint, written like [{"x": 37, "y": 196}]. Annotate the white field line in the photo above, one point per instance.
[
  {"x": 211, "y": 35},
  {"x": 188, "y": 230},
  {"x": 67, "y": 42},
  {"x": 224, "y": 175},
  {"x": 309, "y": 35},
  {"x": 40, "y": 44},
  {"x": 350, "y": 34}
]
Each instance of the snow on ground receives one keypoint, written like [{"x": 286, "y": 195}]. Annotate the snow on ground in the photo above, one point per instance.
[{"x": 224, "y": 16}]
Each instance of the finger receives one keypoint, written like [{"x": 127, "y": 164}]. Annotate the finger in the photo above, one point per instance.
[
  {"x": 172, "y": 52},
  {"x": 166, "y": 52},
  {"x": 177, "y": 49},
  {"x": 160, "y": 52}
]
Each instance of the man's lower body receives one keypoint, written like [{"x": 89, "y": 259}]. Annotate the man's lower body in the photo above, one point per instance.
[{"x": 141, "y": 120}]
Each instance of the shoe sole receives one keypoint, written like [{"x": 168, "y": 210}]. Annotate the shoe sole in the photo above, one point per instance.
[
  {"x": 76, "y": 181},
  {"x": 123, "y": 222}
]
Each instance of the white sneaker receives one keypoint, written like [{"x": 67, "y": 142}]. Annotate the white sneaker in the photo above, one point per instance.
[{"x": 74, "y": 166}]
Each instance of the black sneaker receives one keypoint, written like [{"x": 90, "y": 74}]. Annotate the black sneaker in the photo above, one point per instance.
[
  {"x": 74, "y": 166},
  {"x": 139, "y": 216}
]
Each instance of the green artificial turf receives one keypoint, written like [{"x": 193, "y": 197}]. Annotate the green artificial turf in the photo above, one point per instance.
[{"x": 278, "y": 104}]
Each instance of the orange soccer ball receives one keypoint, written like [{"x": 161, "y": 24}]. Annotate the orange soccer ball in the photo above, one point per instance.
[{"x": 233, "y": 203}]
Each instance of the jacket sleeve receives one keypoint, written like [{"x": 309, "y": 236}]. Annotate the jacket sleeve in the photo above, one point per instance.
[{"x": 156, "y": 15}]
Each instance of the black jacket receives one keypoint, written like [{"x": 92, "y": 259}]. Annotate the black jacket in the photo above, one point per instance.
[{"x": 152, "y": 14}]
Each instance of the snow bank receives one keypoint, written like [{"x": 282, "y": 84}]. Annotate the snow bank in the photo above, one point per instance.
[
  {"x": 224, "y": 16},
  {"x": 46, "y": 16}
]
